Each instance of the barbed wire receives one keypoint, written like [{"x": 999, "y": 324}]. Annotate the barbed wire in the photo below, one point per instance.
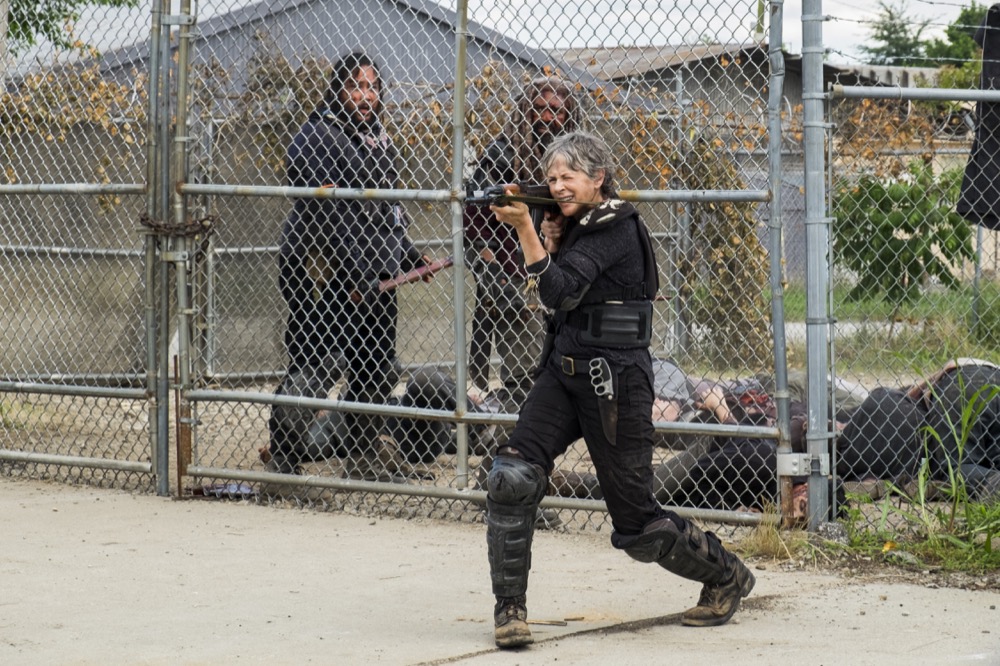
[
  {"x": 877, "y": 21},
  {"x": 931, "y": 62},
  {"x": 935, "y": 62},
  {"x": 962, "y": 5}
]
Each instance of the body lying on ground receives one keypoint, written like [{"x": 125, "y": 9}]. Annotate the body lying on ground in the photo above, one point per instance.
[{"x": 882, "y": 436}]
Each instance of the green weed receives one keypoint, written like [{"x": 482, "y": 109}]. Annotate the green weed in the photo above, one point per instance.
[{"x": 936, "y": 521}]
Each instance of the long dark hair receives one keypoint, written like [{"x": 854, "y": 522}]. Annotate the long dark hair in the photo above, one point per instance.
[
  {"x": 528, "y": 154},
  {"x": 344, "y": 70}
]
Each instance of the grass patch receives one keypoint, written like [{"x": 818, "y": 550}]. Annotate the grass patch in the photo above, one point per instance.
[
  {"x": 911, "y": 546},
  {"x": 935, "y": 522},
  {"x": 873, "y": 338},
  {"x": 767, "y": 541},
  {"x": 933, "y": 304}
]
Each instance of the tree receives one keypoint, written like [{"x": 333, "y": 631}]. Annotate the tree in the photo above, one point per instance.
[
  {"x": 896, "y": 37},
  {"x": 958, "y": 54},
  {"x": 30, "y": 20},
  {"x": 894, "y": 233},
  {"x": 958, "y": 47}
]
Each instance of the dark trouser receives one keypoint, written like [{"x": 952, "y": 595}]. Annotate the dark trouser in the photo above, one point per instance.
[
  {"x": 481, "y": 346},
  {"x": 516, "y": 334},
  {"x": 560, "y": 409},
  {"x": 958, "y": 394},
  {"x": 365, "y": 335}
]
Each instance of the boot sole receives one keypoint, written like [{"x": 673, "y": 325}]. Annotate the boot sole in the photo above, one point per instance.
[
  {"x": 745, "y": 591},
  {"x": 515, "y": 640},
  {"x": 513, "y": 634}
]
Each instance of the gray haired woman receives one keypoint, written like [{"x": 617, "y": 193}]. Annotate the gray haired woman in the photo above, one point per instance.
[{"x": 596, "y": 273}]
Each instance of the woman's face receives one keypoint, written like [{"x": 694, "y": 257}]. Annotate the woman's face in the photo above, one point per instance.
[
  {"x": 360, "y": 95},
  {"x": 574, "y": 190}
]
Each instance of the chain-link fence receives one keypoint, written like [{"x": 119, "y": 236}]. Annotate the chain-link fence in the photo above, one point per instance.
[
  {"x": 683, "y": 118},
  {"x": 193, "y": 297},
  {"x": 915, "y": 293}
]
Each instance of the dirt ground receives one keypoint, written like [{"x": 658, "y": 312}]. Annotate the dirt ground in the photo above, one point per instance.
[{"x": 96, "y": 576}]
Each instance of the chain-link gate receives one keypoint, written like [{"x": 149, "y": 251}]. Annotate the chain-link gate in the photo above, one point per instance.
[
  {"x": 238, "y": 316},
  {"x": 77, "y": 397}
]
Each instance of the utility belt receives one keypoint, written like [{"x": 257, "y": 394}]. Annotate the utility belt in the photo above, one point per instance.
[{"x": 620, "y": 325}]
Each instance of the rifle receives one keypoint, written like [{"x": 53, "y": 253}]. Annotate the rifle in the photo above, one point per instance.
[{"x": 538, "y": 198}]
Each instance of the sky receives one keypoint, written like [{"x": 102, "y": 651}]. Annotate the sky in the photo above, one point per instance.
[
  {"x": 638, "y": 21},
  {"x": 845, "y": 31},
  {"x": 848, "y": 27}
]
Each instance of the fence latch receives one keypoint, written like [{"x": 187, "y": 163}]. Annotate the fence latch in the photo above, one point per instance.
[
  {"x": 174, "y": 257},
  {"x": 800, "y": 464},
  {"x": 178, "y": 19}
]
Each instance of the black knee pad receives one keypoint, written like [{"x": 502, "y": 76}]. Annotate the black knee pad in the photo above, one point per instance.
[
  {"x": 513, "y": 481},
  {"x": 655, "y": 541},
  {"x": 515, "y": 488}
]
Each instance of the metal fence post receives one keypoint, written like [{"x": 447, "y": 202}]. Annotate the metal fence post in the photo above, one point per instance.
[
  {"x": 457, "y": 232},
  {"x": 817, "y": 261},
  {"x": 775, "y": 250},
  {"x": 155, "y": 310}
]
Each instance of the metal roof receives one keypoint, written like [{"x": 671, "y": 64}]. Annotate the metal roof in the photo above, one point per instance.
[
  {"x": 623, "y": 62},
  {"x": 250, "y": 15},
  {"x": 620, "y": 62}
]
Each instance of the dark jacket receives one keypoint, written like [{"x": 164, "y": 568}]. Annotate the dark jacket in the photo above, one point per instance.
[
  {"x": 496, "y": 167},
  {"x": 979, "y": 199},
  {"x": 966, "y": 398},
  {"x": 361, "y": 241}
]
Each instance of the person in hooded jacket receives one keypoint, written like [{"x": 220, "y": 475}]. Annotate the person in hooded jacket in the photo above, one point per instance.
[
  {"x": 597, "y": 273},
  {"x": 334, "y": 252},
  {"x": 505, "y": 321}
]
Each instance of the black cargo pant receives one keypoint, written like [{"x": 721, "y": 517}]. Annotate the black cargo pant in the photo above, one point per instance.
[{"x": 562, "y": 407}]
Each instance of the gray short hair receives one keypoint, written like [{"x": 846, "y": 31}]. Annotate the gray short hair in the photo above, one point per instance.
[{"x": 586, "y": 152}]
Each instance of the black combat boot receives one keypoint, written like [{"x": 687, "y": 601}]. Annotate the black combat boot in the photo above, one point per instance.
[
  {"x": 511, "y": 618},
  {"x": 717, "y": 603}
]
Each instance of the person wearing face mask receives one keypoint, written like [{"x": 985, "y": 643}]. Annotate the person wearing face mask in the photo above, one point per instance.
[
  {"x": 503, "y": 319},
  {"x": 333, "y": 253},
  {"x": 597, "y": 273}
]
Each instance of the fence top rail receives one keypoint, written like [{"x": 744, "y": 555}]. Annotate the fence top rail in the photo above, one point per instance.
[
  {"x": 448, "y": 195},
  {"x": 930, "y": 94}
]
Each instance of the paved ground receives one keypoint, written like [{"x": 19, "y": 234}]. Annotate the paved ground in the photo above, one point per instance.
[{"x": 102, "y": 577}]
